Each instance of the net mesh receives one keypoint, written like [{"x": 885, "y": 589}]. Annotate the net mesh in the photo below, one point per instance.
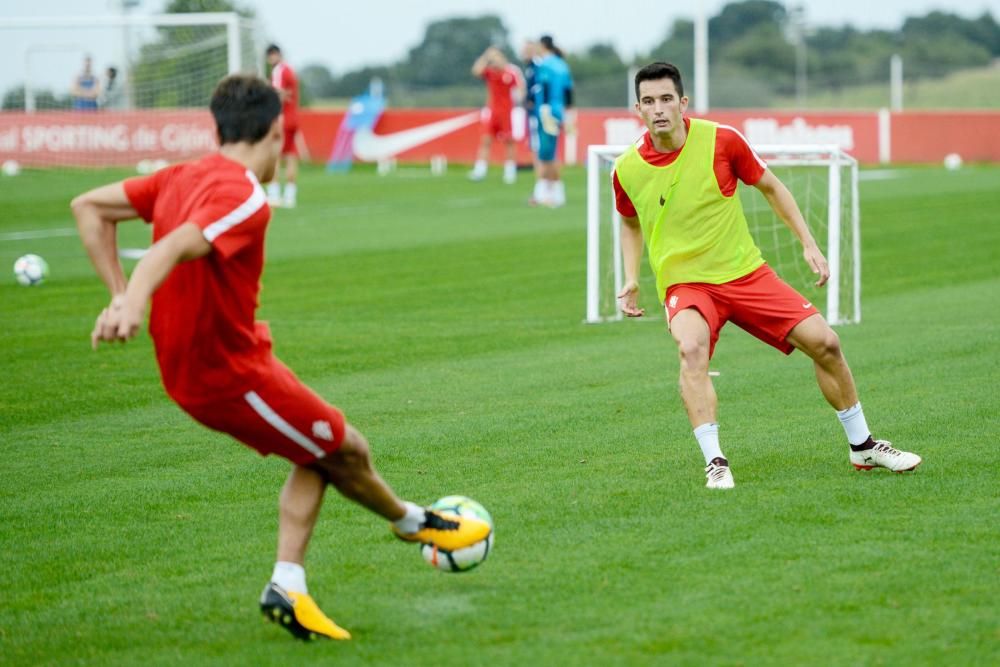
[{"x": 128, "y": 92}]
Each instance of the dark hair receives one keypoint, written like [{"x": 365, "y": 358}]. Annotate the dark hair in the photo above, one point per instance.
[
  {"x": 655, "y": 72},
  {"x": 550, "y": 44},
  {"x": 244, "y": 107},
  {"x": 272, "y": 48}
]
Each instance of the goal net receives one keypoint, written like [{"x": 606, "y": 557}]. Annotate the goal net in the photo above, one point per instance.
[
  {"x": 824, "y": 182},
  {"x": 116, "y": 90}
]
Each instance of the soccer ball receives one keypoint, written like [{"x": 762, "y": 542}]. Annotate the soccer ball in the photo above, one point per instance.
[
  {"x": 460, "y": 560},
  {"x": 952, "y": 161},
  {"x": 30, "y": 270},
  {"x": 10, "y": 168}
]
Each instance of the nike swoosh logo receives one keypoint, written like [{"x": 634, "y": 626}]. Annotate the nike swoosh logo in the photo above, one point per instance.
[
  {"x": 374, "y": 147},
  {"x": 807, "y": 305}
]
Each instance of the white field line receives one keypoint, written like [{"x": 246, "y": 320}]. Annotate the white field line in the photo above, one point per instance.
[{"x": 38, "y": 234}]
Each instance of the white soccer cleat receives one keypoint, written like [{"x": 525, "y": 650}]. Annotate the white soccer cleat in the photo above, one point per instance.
[
  {"x": 718, "y": 475},
  {"x": 884, "y": 455}
]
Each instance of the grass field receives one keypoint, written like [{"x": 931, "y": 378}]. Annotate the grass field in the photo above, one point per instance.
[{"x": 444, "y": 318}]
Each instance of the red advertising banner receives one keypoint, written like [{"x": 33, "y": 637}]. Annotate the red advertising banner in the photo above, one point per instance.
[{"x": 106, "y": 138}]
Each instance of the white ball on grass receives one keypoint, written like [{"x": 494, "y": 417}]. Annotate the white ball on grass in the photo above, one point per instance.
[{"x": 30, "y": 270}]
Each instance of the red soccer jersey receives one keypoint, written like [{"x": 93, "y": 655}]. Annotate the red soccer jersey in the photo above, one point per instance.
[
  {"x": 283, "y": 78},
  {"x": 501, "y": 85},
  {"x": 734, "y": 159},
  {"x": 208, "y": 344}
]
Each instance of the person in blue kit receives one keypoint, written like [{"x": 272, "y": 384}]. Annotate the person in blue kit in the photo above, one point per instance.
[
  {"x": 553, "y": 97},
  {"x": 86, "y": 88}
]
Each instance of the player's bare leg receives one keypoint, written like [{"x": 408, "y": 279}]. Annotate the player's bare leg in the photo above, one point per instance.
[
  {"x": 478, "y": 172},
  {"x": 820, "y": 342},
  {"x": 301, "y": 499},
  {"x": 290, "y": 198},
  {"x": 691, "y": 333},
  {"x": 286, "y": 598},
  {"x": 349, "y": 469},
  {"x": 510, "y": 165},
  {"x": 274, "y": 187}
]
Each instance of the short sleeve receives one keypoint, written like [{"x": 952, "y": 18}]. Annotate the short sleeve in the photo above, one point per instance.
[
  {"x": 142, "y": 192},
  {"x": 623, "y": 203},
  {"x": 232, "y": 219},
  {"x": 746, "y": 164}
]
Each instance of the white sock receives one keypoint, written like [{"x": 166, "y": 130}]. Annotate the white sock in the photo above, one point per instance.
[
  {"x": 274, "y": 190},
  {"x": 291, "y": 191},
  {"x": 558, "y": 193},
  {"x": 708, "y": 440},
  {"x": 855, "y": 426},
  {"x": 540, "y": 191},
  {"x": 509, "y": 171},
  {"x": 548, "y": 192},
  {"x": 290, "y": 576},
  {"x": 479, "y": 169},
  {"x": 412, "y": 520}
]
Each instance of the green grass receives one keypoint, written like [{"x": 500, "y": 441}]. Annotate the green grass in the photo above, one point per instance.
[{"x": 444, "y": 318}]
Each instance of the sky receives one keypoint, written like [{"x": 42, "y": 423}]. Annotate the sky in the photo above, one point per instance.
[{"x": 346, "y": 35}]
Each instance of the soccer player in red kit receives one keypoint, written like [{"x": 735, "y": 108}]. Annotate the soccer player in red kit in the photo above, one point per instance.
[
  {"x": 676, "y": 190},
  {"x": 203, "y": 273},
  {"x": 502, "y": 119},
  {"x": 285, "y": 81}
]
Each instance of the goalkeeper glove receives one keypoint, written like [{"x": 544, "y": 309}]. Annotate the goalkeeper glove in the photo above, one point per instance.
[{"x": 548, "y": 121}]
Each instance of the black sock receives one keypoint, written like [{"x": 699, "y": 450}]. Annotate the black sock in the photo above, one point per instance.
[{"x": 867, "y": 444}]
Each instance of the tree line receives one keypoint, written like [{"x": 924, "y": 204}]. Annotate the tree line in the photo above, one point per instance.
[{"x": 756, "y": 49}]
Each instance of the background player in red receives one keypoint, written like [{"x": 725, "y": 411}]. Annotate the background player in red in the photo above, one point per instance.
[
  {"x": 203, "y": 275},
  {"x": 287, "y": 84},
  {"x": 502, "y": 118}
]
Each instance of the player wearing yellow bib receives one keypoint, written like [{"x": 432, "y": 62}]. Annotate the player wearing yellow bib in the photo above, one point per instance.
[{"x": 676, "y": 191}]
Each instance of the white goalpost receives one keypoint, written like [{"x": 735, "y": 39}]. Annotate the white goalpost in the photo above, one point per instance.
[
  {"x": 150, "y": 80},
  {"x": 824, "y": 181}
]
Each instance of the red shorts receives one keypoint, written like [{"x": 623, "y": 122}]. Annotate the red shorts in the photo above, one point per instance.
[
  {"x": 280, "y": 415},
  {"x": 289, "y": 147},
  {"x": 496, "y": 123},
  {"x": 760, "y": 303}
]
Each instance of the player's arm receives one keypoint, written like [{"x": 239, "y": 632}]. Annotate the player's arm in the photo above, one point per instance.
[
  {"x": 631, "y": 238},
  {"x": 545, "y": 115},
  {"x": 122, "y": 319},
  {"x": 784, "y": 206},
  {"x": 97, "y": 214},
  {"x": 482, "y": 62}
]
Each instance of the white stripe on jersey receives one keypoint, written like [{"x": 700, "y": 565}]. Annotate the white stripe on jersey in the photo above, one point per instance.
[
  {"x": 286, "y": 429},
  {"x": 752, "y": 151},
  {"x": 240, "y": 213},
  {"x": 276, "y": 75}
]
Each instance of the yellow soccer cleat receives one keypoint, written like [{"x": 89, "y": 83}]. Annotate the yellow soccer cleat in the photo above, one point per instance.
[
  {"x": 299, "y": 614},
  {"x": 447, "y": 531}
]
